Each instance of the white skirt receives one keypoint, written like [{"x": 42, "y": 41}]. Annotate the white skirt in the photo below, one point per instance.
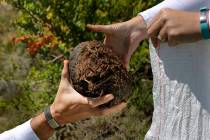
[{"x": 181, "y": 92}]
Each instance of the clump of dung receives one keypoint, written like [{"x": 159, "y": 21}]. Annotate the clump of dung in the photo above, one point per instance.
[{"x": 96, "y": 71}]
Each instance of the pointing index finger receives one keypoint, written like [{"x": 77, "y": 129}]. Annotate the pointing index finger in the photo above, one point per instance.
[{"x": 100, "y": 28}]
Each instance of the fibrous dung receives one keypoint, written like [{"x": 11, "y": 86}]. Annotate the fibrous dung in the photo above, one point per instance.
[{"x": 95, "y": 71}]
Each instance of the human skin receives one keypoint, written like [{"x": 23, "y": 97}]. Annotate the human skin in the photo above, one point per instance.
[
  {"x": 175, "y": 27},
  {"x": 172, "y": 26},
  {"x": 123, "y": 38},
  {"x": 69, "y": 106}
]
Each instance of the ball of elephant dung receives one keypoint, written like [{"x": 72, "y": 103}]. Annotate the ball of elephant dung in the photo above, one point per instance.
[{"x": 96, "y": 71}]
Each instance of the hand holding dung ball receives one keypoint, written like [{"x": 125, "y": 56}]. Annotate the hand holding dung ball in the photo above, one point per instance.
[{"x": 95, "y": 71}]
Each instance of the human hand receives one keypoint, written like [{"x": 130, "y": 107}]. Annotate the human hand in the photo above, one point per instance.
[
  {"x": 70, "y": 106},
  {"x": 174, "y": 26},
  {"x": 123, "y": 38}
]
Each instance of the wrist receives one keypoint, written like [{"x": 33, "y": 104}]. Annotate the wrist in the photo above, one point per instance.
[
  {"x": 57, "y": 115},
  {"x": 138, "y": 32},
  {"x": 138, "y": 22},
  {"x": 38, "y": 124}
]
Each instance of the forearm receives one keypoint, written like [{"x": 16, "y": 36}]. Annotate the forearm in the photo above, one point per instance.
[
  {"x": 41, "y": 127},
  {"x": 21, "y": 132},
  {"x": 187, "y": 5}
]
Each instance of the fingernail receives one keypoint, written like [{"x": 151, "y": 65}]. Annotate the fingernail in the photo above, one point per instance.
[
  {"x": 109, "y": 97},
  {"x": 65, "y": 61}
]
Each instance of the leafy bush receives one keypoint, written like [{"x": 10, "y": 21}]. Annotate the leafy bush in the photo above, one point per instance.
[{"x": 48, "y": 30}]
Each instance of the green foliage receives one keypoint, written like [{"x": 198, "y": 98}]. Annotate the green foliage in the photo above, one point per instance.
[
  {"x": 67, "y": 19},
  {"x": 38, "y": 78},
  {"x": 142, "y": 85},
  {"x": 25, "y": 87}
]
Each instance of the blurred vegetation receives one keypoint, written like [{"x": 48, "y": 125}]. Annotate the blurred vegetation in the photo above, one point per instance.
[{"x": 31, "y": 61}]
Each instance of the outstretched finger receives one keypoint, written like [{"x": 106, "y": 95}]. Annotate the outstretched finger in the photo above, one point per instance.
[
  {"x": 94, "y": 102},
  {"x": 100, "y": 28},
  {"x": 108, "y": 111},
  {"x": 65, "y": 71}
]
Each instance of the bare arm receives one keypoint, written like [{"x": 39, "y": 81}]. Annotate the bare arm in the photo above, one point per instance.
[
  {"x": 70, "y": 106},
  {"x": 123, "y": 38}
]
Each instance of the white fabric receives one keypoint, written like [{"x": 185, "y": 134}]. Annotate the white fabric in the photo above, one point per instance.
[
  {"x": 189, "y": 5},
  {"x": 21, "y": 132},
  {"x": 181, "y": 90}
]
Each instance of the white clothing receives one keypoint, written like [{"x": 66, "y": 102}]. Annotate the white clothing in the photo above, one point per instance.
[
  {"x": 21, "y": 132},
  {"x": 181, "y": 90},
  {"x": 187, "y": 5}
]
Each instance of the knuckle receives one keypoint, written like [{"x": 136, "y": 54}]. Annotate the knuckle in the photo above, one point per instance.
[
  {"x": 172, "y": 33},
  {"x": 164, "y": 16},
  {"x": 164, "y": 13},
  {"x": 92, "y": 102}
]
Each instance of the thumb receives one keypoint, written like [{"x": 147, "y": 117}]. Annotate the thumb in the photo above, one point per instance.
[
  {"x": 65, "y": 71},
  {"x": 100, "y": 28}
]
